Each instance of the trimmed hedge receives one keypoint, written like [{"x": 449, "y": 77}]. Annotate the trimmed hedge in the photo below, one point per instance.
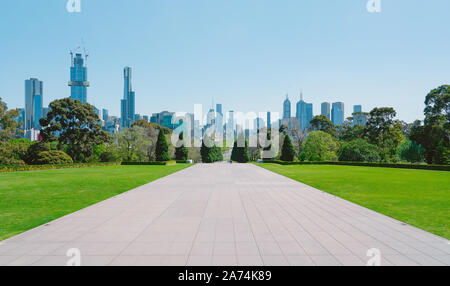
[
  {"x": 23, "y": 168},
  {"x": 363, "y": 164},
  {"x": 149, "y": 163}
]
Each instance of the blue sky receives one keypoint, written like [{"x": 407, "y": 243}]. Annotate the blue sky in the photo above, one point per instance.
[{"x": 246, "y": 54}]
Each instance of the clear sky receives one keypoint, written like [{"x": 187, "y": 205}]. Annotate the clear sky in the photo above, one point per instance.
[{"x": 245, "y": 54}]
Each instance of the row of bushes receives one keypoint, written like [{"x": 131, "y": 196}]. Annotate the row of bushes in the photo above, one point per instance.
[
  {"x": 20, "y": 168},
  {"x": 166, "y": 163},
  {"x": 365, "y": 164}
]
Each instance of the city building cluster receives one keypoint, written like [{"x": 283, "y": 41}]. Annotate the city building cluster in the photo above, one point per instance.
[{"x": 34, "y": 110}]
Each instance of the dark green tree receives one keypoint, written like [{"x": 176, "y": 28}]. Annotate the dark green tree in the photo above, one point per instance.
[
  {"x": 181, "y": 153},
  {"x": 33, "y": 152},
  {"x": 358, "y": 150},
  {"x": 434, "y": 135},
  {"x": 384, "y": 131},
  {"x": 53, "y": 157},
  {"x": 75, "y": 125},
  {"x": 162, "y": 148},
  {"x": 322, "y": 123},
  {"x": 209, "y": 152},
  {"x": 287, "y": 150},
  {"x": 240, "y": 150},
  {"x": 8, "y": 125},
  {"x": 411, "y": 152}
]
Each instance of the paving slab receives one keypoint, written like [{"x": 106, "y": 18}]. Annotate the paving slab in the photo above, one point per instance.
[{"x": 225, "y": 214}]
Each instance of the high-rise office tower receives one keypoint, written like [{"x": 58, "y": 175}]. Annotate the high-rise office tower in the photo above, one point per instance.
[
  {"x": 338, "y": 113},
  {"x": 304, "y": 113},
  {"x": 326, "y": 110},
  {"x": 105, "y": 114},
  {"x": 219, "y": 118},
  {"x": 269, "y": 120},
  {"x": 287, "y": 108},
  {"x": 78, "y": 78},
  {"x": 33, "y": 103},
  {"x": 128, "y": 101},
  {"x": 359, "y": 118}
]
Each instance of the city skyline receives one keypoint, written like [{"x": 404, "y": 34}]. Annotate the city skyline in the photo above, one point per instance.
[{"x": 178, "y": 61}]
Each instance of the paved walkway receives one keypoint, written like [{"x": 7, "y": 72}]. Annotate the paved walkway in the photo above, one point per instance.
[{"x": 225, "y": 215}]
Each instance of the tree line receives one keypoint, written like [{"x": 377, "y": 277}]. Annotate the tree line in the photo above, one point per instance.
[{"x": 72, "y": 133}]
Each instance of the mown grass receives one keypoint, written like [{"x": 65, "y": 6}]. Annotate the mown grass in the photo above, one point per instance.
[
  {"x": 30, "y": 199},
  {"x": 419, "y": 198}
]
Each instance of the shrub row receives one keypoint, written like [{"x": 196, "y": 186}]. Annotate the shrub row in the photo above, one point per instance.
[
  {"x": 149, "y": 163},
  {"x": 362, "y": 164},
  {"x": 22, "y": 168}
]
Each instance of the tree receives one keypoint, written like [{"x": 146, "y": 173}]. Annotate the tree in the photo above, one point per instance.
[
  {"x": 181, "y": 153},
  {"x": 358, "y": 150},
  {"x": 53, "y": 157},
  {"x": 133, "y": 144},
  {"x": 8, "y": 126},
  {"x": 287, "y": 150},
  {"x": 33, "y": 152},
  {"x": 385, "y": 132},
  {"x": 319, "y": 146},
  {"x": 240, "y": 150},
  {"x": 434, "y": 135},
  {"x": 411, "y": 152},
  {"x": 210, "y": 153},
  {"x": 162, "y": 148},
  {"x": 322, "y": 123},
  {"x": 76, "y": 125},
  {"x": 348, "y": 132}
]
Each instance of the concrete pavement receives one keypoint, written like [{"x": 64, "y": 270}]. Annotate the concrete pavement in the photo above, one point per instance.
[{"x": 224, "y": 214}]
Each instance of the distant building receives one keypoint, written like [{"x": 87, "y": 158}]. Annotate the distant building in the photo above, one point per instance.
[
  {"x": 78, "y": 79},
  {"x": 105, "y": 115},
  {"x": 304, "y": 114},
  {"x": 146, "y": 118},
  {"x": 269, "y": 120},
  {"x": 164, "y": 119},
  {"x": 287, "y": 108},
  {"x": 219, "y": 119},
  {"x": 45, "y": 111},
  {"x": 326, "y": 110},
  {"x": 128, "y": 101},
  {"x": 338, "y": 113},
  {"x": 359, "y": 117},
  {"x": 33, "y": 103}
]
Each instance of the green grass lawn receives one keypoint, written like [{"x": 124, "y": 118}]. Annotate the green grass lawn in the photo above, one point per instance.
[
  {"x": 30, "y": 199},
  {"x": 419, "y": 198}
]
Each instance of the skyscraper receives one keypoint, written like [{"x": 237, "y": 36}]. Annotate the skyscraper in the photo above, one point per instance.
[
  {"x": 304, "y": 114},
  {"x": 33, "y": 103},
  {"x": 78, "y": 79},
  {"x": 128, "y": 101},
  {"x": 338, "y": 113},
  {"x": 105, "y": 114},
  {"x": 269, "y": 119},
  {"x": 359, "y": 118},
  {"x": 287, "y": 108},
  {"x": 326, "y": 110},
  {"x": 219, "y": 119}
]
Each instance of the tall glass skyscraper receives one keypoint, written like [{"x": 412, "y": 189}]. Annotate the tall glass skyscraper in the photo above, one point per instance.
[
  {"x": 287, "y": 108},
  {"x": 33, "y": 103},
  {"x": 326, "y": 110},
  {"x": 304, "y": 114},
  {"x": 78, "y": 79},
  {"x": 128, "y": 101},
  {"x": 338, "y": 113}
]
